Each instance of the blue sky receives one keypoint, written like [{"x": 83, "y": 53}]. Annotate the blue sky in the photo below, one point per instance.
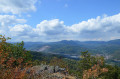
[
  {"x": 74, "y": 11},
  {"x": 55, "y": 20}
]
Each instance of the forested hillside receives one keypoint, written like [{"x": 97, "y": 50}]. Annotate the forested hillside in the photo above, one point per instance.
[
  {"x": 108, "y": 49},
  {"x": 18, "y": 63}
]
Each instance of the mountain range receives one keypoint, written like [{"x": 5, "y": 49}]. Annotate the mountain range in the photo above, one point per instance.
[{"x": 72, "y": 47}]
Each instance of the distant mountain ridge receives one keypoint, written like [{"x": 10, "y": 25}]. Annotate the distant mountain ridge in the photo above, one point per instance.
[{"x": 75, "y": 47}]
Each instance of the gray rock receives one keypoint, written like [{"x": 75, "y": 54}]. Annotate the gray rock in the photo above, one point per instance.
[
  {"x": 51, "y": 69},
  {"x": 45, "y": 69},
  {"x": 57, "y": 69}
]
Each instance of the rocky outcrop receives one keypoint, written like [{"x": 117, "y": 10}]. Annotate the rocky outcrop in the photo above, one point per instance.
[
  {"x": 46, "y": 72},
  {"x": 46, "y": 68}
]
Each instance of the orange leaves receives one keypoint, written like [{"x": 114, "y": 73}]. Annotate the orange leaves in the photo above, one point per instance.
[
  {"x": 3, "y": 39},
  {"x": 104, "y": 70},
  {"x": 2, "y": 60},
  {"x": 18, "y": 73},
  {"x": 94, "y": 72},
  {"x": 8, "y": 67},
  {"x": 8, "y": 71},
  {"x": 10, "y": 62},
  {"x": 19, "y": 60}
]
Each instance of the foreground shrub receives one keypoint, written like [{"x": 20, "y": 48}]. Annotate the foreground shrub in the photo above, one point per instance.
[{"x": 14, "y": 60}]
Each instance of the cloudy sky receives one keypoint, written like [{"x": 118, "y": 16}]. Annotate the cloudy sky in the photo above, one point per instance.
[{"x": 55, "y": 20}]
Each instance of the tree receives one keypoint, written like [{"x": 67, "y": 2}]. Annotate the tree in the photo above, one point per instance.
[
  {"x": 86, "y": 60},
  {"x": 94, "y": 71},
  {"x": 57, "y": 62},
  {"x": 14, "y": 60}
]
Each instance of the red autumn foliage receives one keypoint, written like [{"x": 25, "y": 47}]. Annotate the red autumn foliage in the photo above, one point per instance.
[
  {"x": 8, "y": 69},
  {"x": 95, "y": 71}
]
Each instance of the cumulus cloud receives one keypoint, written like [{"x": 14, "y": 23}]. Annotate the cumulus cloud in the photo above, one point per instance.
[
  {"x": 99, "y": 28},
  {"x": 103, "y": 24},
  {"x": 6, "y": 21},
  {"x": 21, "y": 30},
  {"x": 17, "y": 6},
  {"x": 52, "y": 27}
]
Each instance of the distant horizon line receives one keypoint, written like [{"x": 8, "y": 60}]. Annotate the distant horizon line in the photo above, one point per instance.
[{"x": 64, "y": 40}]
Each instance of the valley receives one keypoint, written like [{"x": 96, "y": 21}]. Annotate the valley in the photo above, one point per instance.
[{"x": 72, "y": 49}]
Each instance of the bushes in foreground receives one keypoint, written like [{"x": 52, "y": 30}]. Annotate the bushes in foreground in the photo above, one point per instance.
[{"x": 14, "y": 60}]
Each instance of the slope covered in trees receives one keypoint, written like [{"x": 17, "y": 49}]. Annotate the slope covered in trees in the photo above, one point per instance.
[
  {"x": 16, "y": 62},
  {"x": 75, "y": 47}
]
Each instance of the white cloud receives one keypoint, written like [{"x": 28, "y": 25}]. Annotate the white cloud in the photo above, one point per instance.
[
  {"x": 52, "y": 27},
  {"x": 21, "y": 30},
  {"x": 105, "y": 24},
  {"x": 6, "y": 21},
  {"x": 100, "y": 28},
  {"x": 17, "y": 6}
]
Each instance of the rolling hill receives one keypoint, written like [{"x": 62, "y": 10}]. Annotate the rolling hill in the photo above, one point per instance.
[{"x": 75, "y": 47}]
